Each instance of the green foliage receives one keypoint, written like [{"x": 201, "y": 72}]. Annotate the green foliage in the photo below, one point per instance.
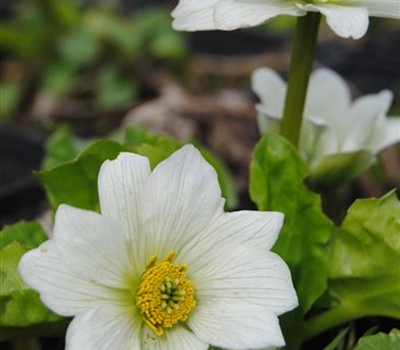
[
  {"x": 364, "y": 268},
  {"x": 276, "y": 184},
  {"x": 19, "y": 306},
  {"x": 58, "y": 79},
  {"x": 115, "y": 90},
  {"x": 75, "y": 182},
  {"x": 380, "y": 341},
  {"x": 61, "y": 147},
  {"x": 337, "y": 169},
  {"x": 10, "y": 93},
  {"x": 86, "y": 52},
  {"x": 80, "y": 188},
  {"x": 78, "y": 48},
  {"x": 29, "y": 234}
]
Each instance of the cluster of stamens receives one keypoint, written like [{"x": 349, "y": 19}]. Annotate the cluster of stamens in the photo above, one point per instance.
[{"x": 165, "y": 295}]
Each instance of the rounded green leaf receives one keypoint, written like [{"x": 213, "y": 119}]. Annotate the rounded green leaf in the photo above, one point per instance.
[{"x": 380, "y": 341}]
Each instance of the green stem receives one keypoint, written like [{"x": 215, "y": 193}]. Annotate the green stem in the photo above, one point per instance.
[
  {"x": 330, "y": 319},
  {"x": 300, "y": 69}
]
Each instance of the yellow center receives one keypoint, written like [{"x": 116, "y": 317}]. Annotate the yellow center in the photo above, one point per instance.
[{"x": 165, "y": 295}]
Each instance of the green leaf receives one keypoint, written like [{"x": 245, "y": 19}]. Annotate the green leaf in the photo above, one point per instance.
[
  {"x": 78, "y": 48},
  {"x": 136, "y": 135},
  {"x": 61, "y": 147},
  {"x": 118, "y": 32},
  {"x": 29, "y": 234},
  {"x": 58, "y": 79},
  {"x": 276, "y": 184},
  {"x": 364, "y": 268},
  {"x": 19, "y": 306},
  {"x": 114, "y": 90},
  {"x": 170, "y": 46},
  {"x": 75, "y": 182},
  {"x": 337, "y": 169},
  {"x": 380, "y": 341},
  {"x": 18, "y": 40}
]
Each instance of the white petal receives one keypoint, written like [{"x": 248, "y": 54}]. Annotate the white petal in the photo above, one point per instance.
[
  {"x": 228, "y": 14},
  {"x": 379, "y": 8},
  {"x": 270, "y": 89},
  {"x": 345, "y": 21},
  {"x": 265, "y": 121},
  {"x": 329, "y": 99},
  {"x": 366, "y": 115},
  {"x": 233, "y": 328},
  {"x": 235, "y": 275},
  {"x": 253, "y": 228},
  {"x": 392, "y": 133},
  {"x": 61, "y": 289},
  {"x": 182, "y": 196},
  {"x": 109, "y": 327},
  {"x": 92, "y": 246},
  {"x": 121, "y": 183},
  {"x": 191, "y": 15},
  {"x": 176, "y": 338},
  {"x": 234, "y": 14}
]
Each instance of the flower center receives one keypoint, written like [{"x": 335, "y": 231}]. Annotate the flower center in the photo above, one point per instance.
[{"x": 165, "y": 295}]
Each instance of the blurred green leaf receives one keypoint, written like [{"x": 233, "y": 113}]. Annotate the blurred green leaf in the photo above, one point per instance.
[
  {"x": 380, "y": 341},
  {"x": 19, "y": 306},
  {"x": 65, "y": 12},
  {"x": 115, "y": 90},
  {"x": 19, "y": 41},
  {"x": 75, "y": 182},
  {"x": 116, "y": 30},
  {"x": 136, "y": 135},
  {"x": 29, "y": 234},
  {"x": 337, "y": 169},
  {"x": 364, "y": 267},
  {"x": 61, "y": 147},
  {"x": 78, "y": 48},
  {"x": 225, "y": 179},
  {"x": 276, "y": 184},
  {"x": 170, "y": 46},
  {"x": 58, "y": 79},
  {"x": 10, "y": 95}
]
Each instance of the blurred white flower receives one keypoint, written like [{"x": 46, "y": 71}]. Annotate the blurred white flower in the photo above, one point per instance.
[
  {"x": 347, "y": 18},
  {"x": 332, "y": 123},
  {"x": 162, "y": 266}
]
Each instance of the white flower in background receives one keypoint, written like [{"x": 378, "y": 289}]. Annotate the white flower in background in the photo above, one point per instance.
[
  {"x": 332, "y": 123},
  {"x": 163, "y": 267},
  {"x": 347, "y": 18}
]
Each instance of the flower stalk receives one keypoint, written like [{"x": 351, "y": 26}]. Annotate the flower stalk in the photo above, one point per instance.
[{"x": 300, "y": 69}]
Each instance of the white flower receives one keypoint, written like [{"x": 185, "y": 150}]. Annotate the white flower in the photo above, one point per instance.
[
  {"x": 332, "y": 124},
  {"x": 347, "y": 18},
  {"x": 163, "y": 267}
]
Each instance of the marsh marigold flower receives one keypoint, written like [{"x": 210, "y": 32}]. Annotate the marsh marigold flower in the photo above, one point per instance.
[
  {"x": 162, "y": 267},
  {"x": 347, "y": 18}
]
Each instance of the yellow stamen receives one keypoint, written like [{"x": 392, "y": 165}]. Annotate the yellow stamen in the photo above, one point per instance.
[{"x": 165, "y": 295}]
